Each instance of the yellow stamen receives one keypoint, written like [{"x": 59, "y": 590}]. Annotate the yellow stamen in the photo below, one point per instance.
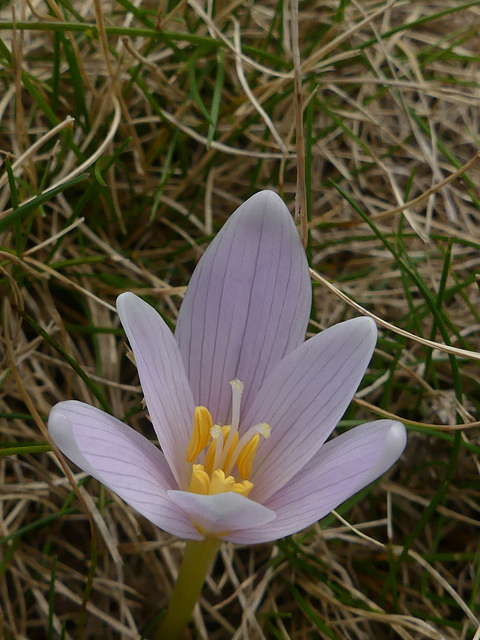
[
  {"x": 231, "y": 450},
  {"x": 219, "y": 483},
  {"x": 202, "y": 423},
  {"x": 218, "y": 434},
  {"x": 210, "y": 457},
  {"x": 246, "y": 456},
  {"x": 200, "y": 481},
  {"x": 243, "y": 488},
  {"x": 221, "y": 450}
]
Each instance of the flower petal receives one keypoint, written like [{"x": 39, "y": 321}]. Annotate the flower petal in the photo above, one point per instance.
[
  {"x": 247, "y": 304},
  {"x": 342, "y": 467},
  {"x": 219, "y": 514},
  {"x": 121, "y": 459},
  {"x": 162, "y": 376},
  {"x": 304, "y": 398}
]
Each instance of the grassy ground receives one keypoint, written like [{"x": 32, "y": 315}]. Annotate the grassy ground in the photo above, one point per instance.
[{"x": 128, "y": 132}]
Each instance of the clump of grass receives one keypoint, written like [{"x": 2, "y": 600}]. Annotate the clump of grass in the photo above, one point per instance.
[{"x": 128, "y": 133}]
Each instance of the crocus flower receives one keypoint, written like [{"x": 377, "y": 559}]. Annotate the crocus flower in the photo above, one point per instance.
[{"x": 241, "y": 405}]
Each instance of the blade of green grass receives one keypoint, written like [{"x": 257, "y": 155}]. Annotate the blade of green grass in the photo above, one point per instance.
[{"x": 23, "y": 209}]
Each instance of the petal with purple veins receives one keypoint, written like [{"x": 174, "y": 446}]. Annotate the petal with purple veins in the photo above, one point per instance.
[
  {"x": 247, "y": 304},
  {"x": 342, "y": 467},
  {"x": 121, "y": 459},
  {"x": 303, "y": 399},
  {"x": 162, "y": 376}
]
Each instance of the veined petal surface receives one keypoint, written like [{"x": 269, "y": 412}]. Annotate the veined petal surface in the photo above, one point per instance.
[
  {"x": 162, "y": 376},
  {"x": 247, "y": 304},
  {"x": 219, "y": 514},
  {"x": 121, "y": 459},
  {"x": 304, "y": 398},
  {"x": 342, "y": 467}
]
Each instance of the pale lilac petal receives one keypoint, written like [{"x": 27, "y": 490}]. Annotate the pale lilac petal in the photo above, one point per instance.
[
  {"x": 121, "y": 459},
  {"x": 162, "y": 376},
  {"x": 247, "y": 304},
  {"x": 304, "y": 398},
  {"x": 342, "y": 467},
  {"x": 219, "y": 514}
]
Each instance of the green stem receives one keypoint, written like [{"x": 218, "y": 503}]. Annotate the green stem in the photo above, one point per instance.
[{"x": 198, "y": 558}]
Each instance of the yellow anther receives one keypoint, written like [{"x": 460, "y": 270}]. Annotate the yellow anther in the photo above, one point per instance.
[
  {"x": 231, "y": 449},
  {"x": 219, "y": 483},
  {"x": 210, "y": 457},
  {"x": 202, "y": 424},
  {"x": 200, "y": 481},
  {"x": 225, "y": 431},
  {"x": 222, "y": 450},
  {"x": 246, "y": 456},
  {"x": 243, "y": 488}
]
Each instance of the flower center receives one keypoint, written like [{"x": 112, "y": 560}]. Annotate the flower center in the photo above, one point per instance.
[{"x": 224, "y": 450}]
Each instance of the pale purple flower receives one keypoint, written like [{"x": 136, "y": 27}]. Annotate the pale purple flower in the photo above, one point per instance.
[{"x": 241, "y": 327}]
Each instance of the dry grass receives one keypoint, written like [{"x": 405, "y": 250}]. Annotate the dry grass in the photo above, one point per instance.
[{"x": 182, "y": 110}]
